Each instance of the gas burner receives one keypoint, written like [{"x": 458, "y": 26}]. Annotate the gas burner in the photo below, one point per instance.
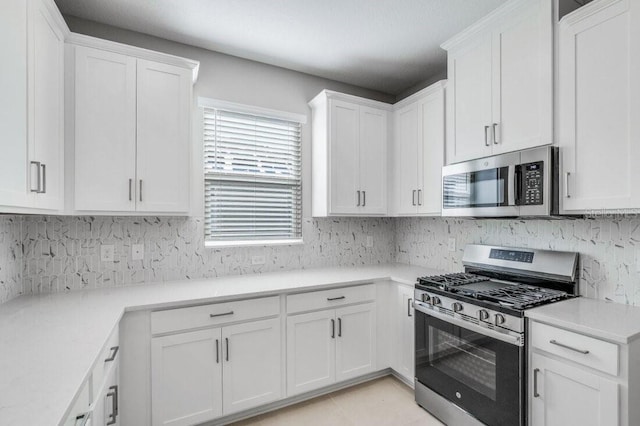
[
  {"x": 448, "y": 281},
  {"x": 521, "y": 296}
]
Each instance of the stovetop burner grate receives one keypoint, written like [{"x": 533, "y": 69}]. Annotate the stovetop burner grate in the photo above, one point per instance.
[
  {"x": 447, "y": 281},
  {"x": 521, "y": 296}
]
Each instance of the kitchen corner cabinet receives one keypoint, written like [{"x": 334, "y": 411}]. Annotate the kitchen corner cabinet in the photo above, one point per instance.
[
  {"x": 418, "y": 153},
  {"x": 500, "y": 82},
  {"x": 197, "y": 376},
  {"x": 32, "y": 110},
  {"x": 131, "y": 144},
  {"x": 403, "y": 334},
  {"x": 599, "y": 92},
  {"x": 349, "y": 150},
  {"x": 580, "y": 379}
]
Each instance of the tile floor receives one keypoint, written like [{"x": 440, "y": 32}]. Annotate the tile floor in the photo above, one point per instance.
[{"x": 381, "y": 402}]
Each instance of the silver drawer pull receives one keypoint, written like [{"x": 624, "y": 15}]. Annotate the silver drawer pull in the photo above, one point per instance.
[
  {"x": 221, "y": 315},
  {"x": 330, "y": 299},
  {"x": 535, "y": 383},
  {"x": 562, "y": 345},
  {"x": 114, "y": 352},
  {"x": 82, "y": 419},
  {"x": 113, "y": 393}
]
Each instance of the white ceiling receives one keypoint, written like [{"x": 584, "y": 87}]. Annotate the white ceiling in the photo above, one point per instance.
[{"x": 386, "y": 45}]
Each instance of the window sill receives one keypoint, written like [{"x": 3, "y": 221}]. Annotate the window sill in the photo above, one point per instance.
[{"x": 253, "y": 243}]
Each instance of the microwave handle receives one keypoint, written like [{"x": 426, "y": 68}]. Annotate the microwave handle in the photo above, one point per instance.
[
  {"x": 512, "y": 200},
  {"x": 518, "y": 182}
]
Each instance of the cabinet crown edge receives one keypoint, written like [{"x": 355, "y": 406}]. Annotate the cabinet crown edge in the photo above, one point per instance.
[{"x": 330, "y": 94}]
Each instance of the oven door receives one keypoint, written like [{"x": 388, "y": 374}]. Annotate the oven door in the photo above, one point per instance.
[
  {"x": 485, "y": 187},
  {"x": 481, "y": 374}
]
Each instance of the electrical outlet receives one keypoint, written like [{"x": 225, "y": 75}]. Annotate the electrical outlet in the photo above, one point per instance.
[
  {"x": 107, "y": 252},
  {"x": 452, "y": 244},
  {"x": 369, "y": 241},
  {"x": 137, "y": 251},
  {"x": 257, "y": 260}
]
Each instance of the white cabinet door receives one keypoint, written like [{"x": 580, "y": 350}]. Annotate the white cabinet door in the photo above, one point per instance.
[
  {"x": 373, "y": 160},
  {"x": 356, "y": 341},
  {"x": 523, "y": 78},
  {"x": 163, "y": 137},
  {"x": 311, "y": 355},
  {"x": 344, "y": 174},
  {"x": 403, "y": 332},
  {"x": 46, "y": 106},
  {"x": 14, "y": 170},
  {"x": 599, "y": 91},
  {"x": 567, "y": 395},
  {"x": 105, "y": 131},
  {"x": 186, "y": 371},
  {"x": 430, "y": 154},
  {"x": 469, "y": 100},
  {"x": 251, "y": 372},
  {"x": 406, "y": 160}
]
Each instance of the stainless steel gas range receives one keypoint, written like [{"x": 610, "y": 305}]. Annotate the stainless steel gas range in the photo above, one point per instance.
[{"x": 470, "y": 359}]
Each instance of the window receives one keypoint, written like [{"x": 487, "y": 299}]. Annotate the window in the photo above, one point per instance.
[{"x": 253, "y": 185}]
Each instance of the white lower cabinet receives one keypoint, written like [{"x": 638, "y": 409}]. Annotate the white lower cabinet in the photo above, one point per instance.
[
  {"x": 567, "y": 395},
  {"x": 330, "y": 346},
  {"x": 402, "y": 335},
  {"x": 200, "y": 375}
]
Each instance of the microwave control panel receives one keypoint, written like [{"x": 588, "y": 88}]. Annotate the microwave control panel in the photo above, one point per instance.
[{"x": 532, "y": 183}]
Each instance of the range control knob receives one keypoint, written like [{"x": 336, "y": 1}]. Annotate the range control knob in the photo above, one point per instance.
[
  {"x": 457, "y": 307},
  {"x": 483, "y": 314},
  {"x": 435, "y": 300},
  {"x": 500, "y": 319},
  {"x": 426, "y": 298}
]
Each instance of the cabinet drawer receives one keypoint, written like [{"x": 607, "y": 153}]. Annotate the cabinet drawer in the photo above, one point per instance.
[
  {"x": 330, "y": 298},
  {"x": 579, "y": 348},
  {"x": 205, "y": 315},
  {"x": 108, "y": 357}
]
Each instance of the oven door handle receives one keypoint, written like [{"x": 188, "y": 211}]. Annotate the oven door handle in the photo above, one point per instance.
[{"x": 513, "y": 338}]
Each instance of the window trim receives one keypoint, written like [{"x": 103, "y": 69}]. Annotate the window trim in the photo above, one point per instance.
[{"x": 269, "y": 113}]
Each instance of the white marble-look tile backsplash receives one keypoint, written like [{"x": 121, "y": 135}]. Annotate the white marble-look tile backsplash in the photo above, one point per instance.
[
  {"x": 10, "y": 257},
  {"x": 608, "y": 247},
  {"x": 63, "y": 253}
]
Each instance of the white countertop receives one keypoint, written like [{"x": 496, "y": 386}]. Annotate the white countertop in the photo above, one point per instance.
[
  {"x": 611, "y": 321},
  {"x": 49, "y": 342}
]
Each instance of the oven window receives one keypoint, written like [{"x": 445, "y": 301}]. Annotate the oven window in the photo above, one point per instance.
[
  {"x": 484, "y": 188},
  {"x": 465, "y": 361}
]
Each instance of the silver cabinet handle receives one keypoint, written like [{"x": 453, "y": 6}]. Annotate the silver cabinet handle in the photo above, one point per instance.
[
  {"x": 221, "y": 315},
  {"x": 339, "y": 327},
  {"x": 413, "y": 197},
  {"x": 495, "y": 130},
  {"x": 333, "y": 329},
  {"x": 566, "y": 185},
  {"x": 130, "y": 190},
  {"x": 535, "y": 382},
  {"x": 114, "y": 352},
  {"x": 217, "y": 351},
  {"x": 358, "y": 205},
  {"x": 39, "y": 176},
  {"x": 419, "y": 198},
  {"x": 330, "y": 299},
  {"x": 409, "y": 307},
  {"x": 44, "y": 179},
  {"x": 364, "y": 198},
  {"x": 486, "y": 137},
  {"x": 114, "y": 404},
  {"x": 140, "y": 189},
  {"x": 82, "y": 419},
  {"x": 226, "y": 339},
  {"x": 571, "y": 348}
]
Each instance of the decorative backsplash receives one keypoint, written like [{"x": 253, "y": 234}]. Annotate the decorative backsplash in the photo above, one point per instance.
[
  {"x": 10, "y": 257},
  {"x": 63, "y": 253},
  {"x": 607, "y": 247}
]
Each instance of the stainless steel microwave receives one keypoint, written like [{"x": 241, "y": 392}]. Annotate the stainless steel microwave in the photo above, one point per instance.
[{"x": 522, "y": 183}]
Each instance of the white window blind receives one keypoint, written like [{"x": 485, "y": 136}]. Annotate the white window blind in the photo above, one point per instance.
[{"x": 253, "y": 185}]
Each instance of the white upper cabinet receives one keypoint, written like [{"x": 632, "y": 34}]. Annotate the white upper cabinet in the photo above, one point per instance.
[
  {"x": 599, "y": 106},
  {"x": 418, "y": 153},
  {"x": 32, "y": 109},
  {"x": 131, "y": 144},
  {"x": 349, "y": 150},
  {"x": 500, "y": 91}
]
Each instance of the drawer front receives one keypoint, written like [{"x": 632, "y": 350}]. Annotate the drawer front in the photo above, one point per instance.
[
  {"x": 330, "y": 298},
  {"x": 109, "y": 356},
  {"x": 594, "y": 353},
  {"x": 215, "y": 314}
]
